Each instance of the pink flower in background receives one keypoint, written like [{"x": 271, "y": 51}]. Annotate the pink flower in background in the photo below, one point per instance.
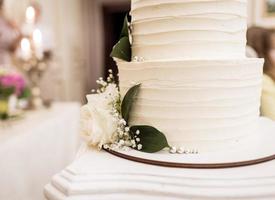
[{"x": 13, "y": 80}]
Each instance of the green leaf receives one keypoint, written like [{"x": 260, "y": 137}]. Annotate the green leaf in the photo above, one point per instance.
[
  {"x": 127, "y": 102},
  {"x": 125, "y": 28},
  {"x": 6, "y": 91},
  {"x": 122, "y": 49},
  {"x": 25, "y": 93},
  {"x": 151, "y": 139}
]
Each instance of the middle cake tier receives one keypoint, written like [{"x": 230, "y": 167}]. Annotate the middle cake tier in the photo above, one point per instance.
[{"x": 195, "y": 102}]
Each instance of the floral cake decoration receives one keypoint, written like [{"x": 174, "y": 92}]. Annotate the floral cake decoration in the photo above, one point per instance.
[{"x": 105, "y": 119}]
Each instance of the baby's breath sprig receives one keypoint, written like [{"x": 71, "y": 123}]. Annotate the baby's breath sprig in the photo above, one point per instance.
[
  {"x": 110, "y": 78},
  {"x": 103, "y": 84},
  {"x": 140, "y": 137},
  {"x": 124, "y": 137}
]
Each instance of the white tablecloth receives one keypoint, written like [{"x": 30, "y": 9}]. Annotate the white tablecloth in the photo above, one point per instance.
[{"x": 36, "y": 147}]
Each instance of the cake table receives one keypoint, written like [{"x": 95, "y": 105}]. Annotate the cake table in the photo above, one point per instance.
[
  {"x": 34, "y": 148},
  {"x": 100, "y": 176}
]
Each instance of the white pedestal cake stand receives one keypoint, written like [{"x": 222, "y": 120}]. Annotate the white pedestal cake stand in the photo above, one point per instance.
[{"x": 102, "y": 176}]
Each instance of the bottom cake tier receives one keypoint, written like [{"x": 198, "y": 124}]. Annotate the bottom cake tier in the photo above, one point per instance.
[{"x": 198, "y": 104}]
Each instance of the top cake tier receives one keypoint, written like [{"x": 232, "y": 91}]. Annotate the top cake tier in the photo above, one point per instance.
[{"x": 188, "y": 29}]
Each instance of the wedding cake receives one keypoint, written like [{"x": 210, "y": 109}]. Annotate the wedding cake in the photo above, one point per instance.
[
  {"x": 197, "y": 86},
  {"x": 187, "y": 98}
]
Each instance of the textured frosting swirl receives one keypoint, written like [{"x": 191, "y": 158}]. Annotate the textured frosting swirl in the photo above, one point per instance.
[
  {"x": 175, "y": 29},
  {"x": 196, "y": 101}
]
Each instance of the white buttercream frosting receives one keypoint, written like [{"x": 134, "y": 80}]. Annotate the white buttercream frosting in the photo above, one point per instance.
[
  {"x": 197, "y": 86},
  {"x": 175, "y": 29},
  {"x": 196, "y": 101}
]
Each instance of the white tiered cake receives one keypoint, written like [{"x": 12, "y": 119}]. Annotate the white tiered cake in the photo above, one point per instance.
[{"x": 198, "y": 87}]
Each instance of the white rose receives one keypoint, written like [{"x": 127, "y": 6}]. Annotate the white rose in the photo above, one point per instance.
[{"x": 98, "y": 125}]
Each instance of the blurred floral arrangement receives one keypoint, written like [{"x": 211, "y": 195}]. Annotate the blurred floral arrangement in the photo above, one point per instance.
[{"x": 14, "y": 94}]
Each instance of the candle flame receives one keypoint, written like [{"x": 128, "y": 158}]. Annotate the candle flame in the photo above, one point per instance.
[
  {"x": 25, "y": 44},
  {"x": 37, "y": 37},
  {"x": 30, "y": 14}
]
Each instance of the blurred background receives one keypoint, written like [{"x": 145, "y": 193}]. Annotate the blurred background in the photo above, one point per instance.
[
  {"x": 51, "y": 54},
  {"x": 80, "y": 34}
]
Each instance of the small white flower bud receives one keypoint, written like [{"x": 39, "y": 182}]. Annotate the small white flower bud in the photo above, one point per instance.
[
  {"x": 173, "y": 150},
  {"x": 122, "y": 122},
  {"x": 125, "y": 148},
  {"x": 180, "y": 150},
  {"x": 121, "y": 133},
  {"x": 141, "y": 59},
  {"x": 133, "y": 143},
  {"x": 137, "y": 132},
  {"x": 127, "y": 129},
  {"x": 135, "y": 59},
  {"x": 138, "y": 139},
  {"x": 139, "y": 146},
  {"x": 121, "y": 142}
]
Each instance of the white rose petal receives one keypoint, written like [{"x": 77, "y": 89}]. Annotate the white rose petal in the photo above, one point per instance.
[{"x": 98, "y": 100}]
